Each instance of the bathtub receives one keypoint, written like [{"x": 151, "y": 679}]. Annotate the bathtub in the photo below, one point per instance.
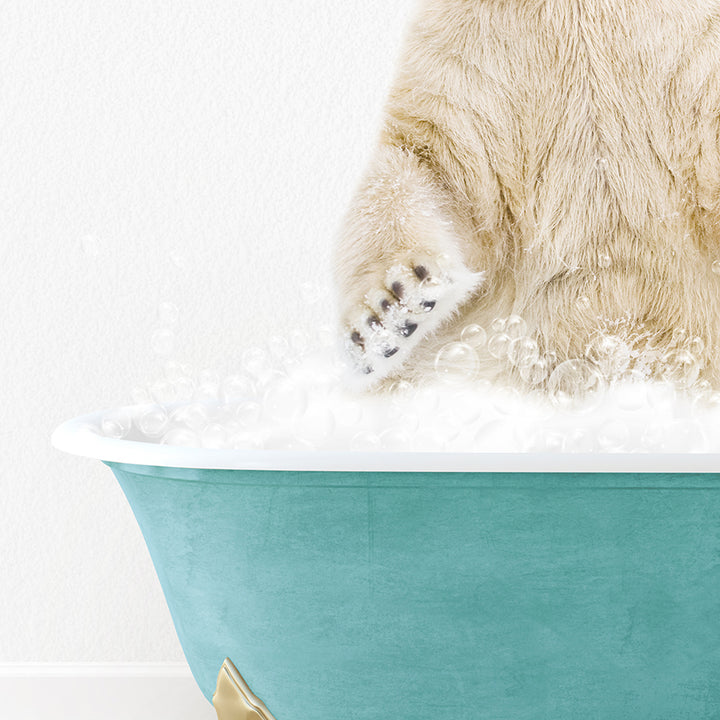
[{"x": 411, "y": 586}]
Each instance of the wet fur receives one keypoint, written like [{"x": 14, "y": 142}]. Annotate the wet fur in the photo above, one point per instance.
[{"x": 525, "y": 143}]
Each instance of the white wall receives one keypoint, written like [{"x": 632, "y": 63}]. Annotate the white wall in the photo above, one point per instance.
[{"x": 199, "y": 153}]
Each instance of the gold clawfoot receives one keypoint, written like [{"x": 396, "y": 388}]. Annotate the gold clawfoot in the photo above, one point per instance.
[{"x": 233, "y": 699}]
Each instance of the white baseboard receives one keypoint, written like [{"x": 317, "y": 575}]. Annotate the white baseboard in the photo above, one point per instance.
[{"x": 111, "y": 691}]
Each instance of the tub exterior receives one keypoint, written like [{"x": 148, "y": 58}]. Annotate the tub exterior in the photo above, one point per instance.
[{"x": 507, "y": 596}]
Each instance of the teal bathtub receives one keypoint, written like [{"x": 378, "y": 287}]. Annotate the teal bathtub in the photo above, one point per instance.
[{"x": 411, "y": 586}]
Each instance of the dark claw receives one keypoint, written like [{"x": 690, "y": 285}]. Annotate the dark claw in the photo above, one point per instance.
[
  {"x": 391, "y": 352},
  {"x": 356, "y": 337},
  {"x": 397, "y": 289},
  {"x": 428, "y": 305},
  {"x": 408, "y": 329},
  {"x": 367, "y": 370},
  {"x": 374, "y": 321},
  {"x": 385, "y": 305},
  {"x": 421, "y": 272}
]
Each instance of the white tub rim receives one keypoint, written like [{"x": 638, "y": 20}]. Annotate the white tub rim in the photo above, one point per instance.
[{"x": 77, "y": 437}]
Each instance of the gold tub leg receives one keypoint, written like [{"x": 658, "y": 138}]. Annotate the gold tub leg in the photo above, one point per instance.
[{"x": 233, "y": 699}]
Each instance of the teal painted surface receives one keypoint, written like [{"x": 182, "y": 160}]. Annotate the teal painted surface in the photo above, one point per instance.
[{"x": 360, "y": 596}]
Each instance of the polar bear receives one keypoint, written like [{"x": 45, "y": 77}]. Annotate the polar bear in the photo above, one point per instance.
[{"x": 556, "y": 160}]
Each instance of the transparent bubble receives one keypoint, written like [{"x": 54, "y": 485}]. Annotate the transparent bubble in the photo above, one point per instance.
[
  {"x": 194, "y": 416},
  {"x": 365, "y": 440},
  {"x": 613, "y": 436},
  {"x": 609, "y": 353},
  {"x": 515, "y": 327},
  {"x": 661, "y": 395},
  {"x": 153, "y": 421},
  {"x": 398, "y": 439},
  {"x": 474, "y": 335},
  {"x": 213, "y": 435},
  {"x": 184, "y": 389},
  {"x": 632, "y": 394},
  {"x": 279, "y": 346},
  {"x": 236, "y": 388},
  {"x": 181, "y": 437},
  {"x": 696, "y": 346},
  {"x": 716, "y": 267},
  {"x": 246, "y": 441},
  {"x": 400, "y": 387},
  {"x": 207, "y": 392},
  {"x": 456, "y": 363},
  {"x": 426, "y": 399},
  {"x": 248, "y": 413},
  {"x": 255, "y": 360},
  {"x": 681, "y": 368},
  {"x": 546, "y": 441},
  {"x": 498, "y": 325},
  {"x": 535, "y": 371},
  {"x": 523, "y": 351},
  {"x": 163, "y": 391},
  {"x": 604, "y": 260},
  {"x": 285, "y": 399},
  {"x": 580, "y": 440},
  {"x": 175, "y": 370},
  {"x": 686, "y": 435},
  {"x": 575, "y": 384},
  {"x": 168, "y": 313},
  {"x": 317, "y": 425},
  {"x": 499, "y": 345},
  {"x": 163, "y": 342},
  {"x": 116, "y": 423}
]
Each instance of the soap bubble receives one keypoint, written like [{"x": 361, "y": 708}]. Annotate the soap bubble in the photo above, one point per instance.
[
  {"x": 515, "y": 327},
  {"x": 535, "y": 371},
  {"x": 580, "y": 440},
  {"x": 316, "y": 425},
  {"x": 681, "y": 368},
  {"x": 499, "y": 345},
  {"x": 213, "y": 435},
  {"x": 163, "y": 391},
  {"x": 207, "y": 392},
  {"x": 285, "y": 399},
  {"x": 364, "y": 441},
  {"x": 609, "y": 353},
  {"x": 175, "y": 370},
  {"x": 248, "y": 413},
  {"x": 716, "y": 267},
  {"x": 163, "y": 342},
  {"x": 631, "y": 394},
  {"x": 184, "y": 389},
  {"x": 279, "y": 347},
  {"x": 696, "y": 346},
  {"x": 168, "y": 313},
  {"x": 575, "y": 384},
  {"x": 613, "y": 436},
  {"x": 547, "y": 441},
  {"x": 194, "y": 416},
  {"x": 116, "y": 423},
  {"x": 236, "y": 388},
  {"x": 498, "y": 325},
  {"x": 246, "y": 441},
  {"x": 583, "y": 303},
  {"x": 604, "y": 260},
  {"x": 181, "y": 437},
  {"x": 153, "y": 421},
  {"x": 474, "y": 335},
  {"x": 255, "y": 360},
  {"x": 396, "y": 438},
  {"x": 523, "y": 351},
  {"x": 456, "y": 362}
]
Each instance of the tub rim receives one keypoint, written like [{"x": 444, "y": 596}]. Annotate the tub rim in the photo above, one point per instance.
[{"x": 78, "y": 437}]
